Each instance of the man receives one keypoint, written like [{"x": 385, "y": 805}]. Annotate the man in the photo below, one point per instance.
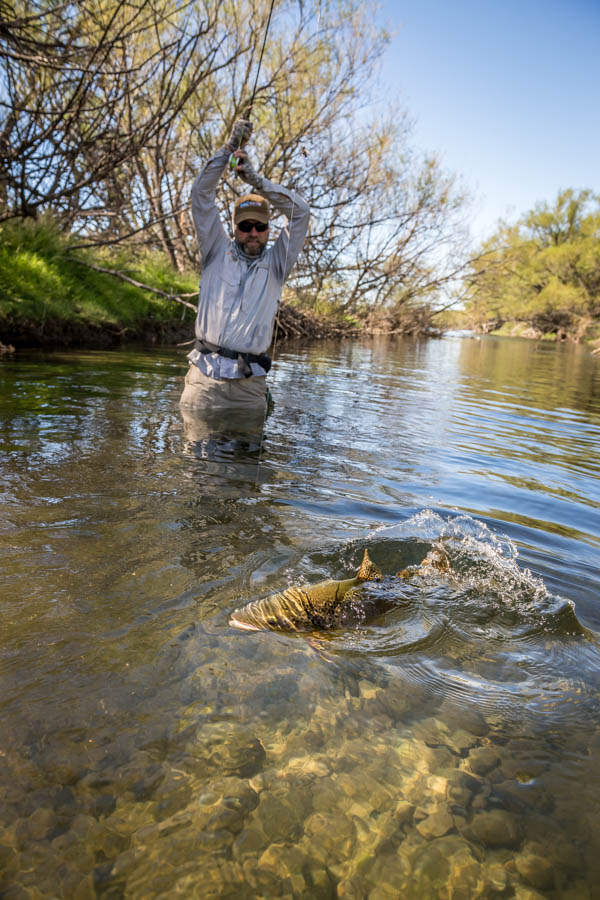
[{"x": 241, "y": 283}]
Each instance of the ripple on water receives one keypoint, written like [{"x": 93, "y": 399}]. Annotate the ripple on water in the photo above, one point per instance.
[{"x": 487, "y": 634}]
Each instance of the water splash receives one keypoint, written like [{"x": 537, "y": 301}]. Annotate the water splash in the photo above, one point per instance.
[{"x": 486, "y": 634}]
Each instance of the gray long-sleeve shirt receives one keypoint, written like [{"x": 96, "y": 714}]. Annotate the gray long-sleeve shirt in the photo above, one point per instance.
[{"x": 239, "y": 296}]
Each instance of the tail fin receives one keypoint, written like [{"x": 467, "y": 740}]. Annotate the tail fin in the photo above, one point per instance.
[{"x": 368, "y": 570}]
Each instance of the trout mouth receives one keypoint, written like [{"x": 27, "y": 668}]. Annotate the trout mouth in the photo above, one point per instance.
[{"x": 243, "y": 626}]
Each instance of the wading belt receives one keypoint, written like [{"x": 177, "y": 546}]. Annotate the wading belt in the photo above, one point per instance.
[{"x": 244, "y": 359}]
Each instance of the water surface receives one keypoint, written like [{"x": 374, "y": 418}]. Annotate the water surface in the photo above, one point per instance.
[{"x": 443, "y": 741}]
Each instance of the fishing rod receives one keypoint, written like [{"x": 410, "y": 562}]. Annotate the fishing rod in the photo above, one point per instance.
[{"x": 233, "y": 161}]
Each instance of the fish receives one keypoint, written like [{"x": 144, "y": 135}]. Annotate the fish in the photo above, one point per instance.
[
  {"x": 437, "y": 560},
  {"x": 312, "y": 607}
]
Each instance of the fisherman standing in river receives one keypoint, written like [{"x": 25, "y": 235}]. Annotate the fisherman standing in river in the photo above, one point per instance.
[{"x": 241, "y": 282}]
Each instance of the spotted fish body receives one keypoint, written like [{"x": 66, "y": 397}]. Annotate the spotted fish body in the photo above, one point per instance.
[{"x": 309, "y": 608}]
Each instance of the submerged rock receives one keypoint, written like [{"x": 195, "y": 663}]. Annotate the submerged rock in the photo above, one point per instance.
[
  {"x": 436, "y": 825},
  {"x": 496, "y": 828},
  {"x": 482, "y": 760},
  {"x": 535, "y": 870}
]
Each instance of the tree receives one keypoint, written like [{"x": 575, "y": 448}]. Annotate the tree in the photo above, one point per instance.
[
  {"x": 83, "y": 87},
  {"x": 544, "y": 270}
]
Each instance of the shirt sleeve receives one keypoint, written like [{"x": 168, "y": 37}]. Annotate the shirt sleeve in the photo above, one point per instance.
[
  {"x": 207, "y": 221},
  {"x": 288, "y": 245}
]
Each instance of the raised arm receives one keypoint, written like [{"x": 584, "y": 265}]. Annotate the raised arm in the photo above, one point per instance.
[
  {"x": 288, "y": 245},
  {"x": 207, "y": 221}
]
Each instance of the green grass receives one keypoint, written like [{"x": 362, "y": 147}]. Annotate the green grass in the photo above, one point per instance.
[{"x": 41, "y": 280}]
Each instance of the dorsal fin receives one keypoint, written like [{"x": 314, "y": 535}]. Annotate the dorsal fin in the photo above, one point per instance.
[{"x": 368, "y": 570}]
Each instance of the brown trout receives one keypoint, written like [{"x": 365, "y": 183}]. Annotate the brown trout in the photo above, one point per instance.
[{"x": 311, "y": 607}]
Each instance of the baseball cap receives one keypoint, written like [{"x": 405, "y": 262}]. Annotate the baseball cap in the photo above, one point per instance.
[{"x": 251, "y": 206}]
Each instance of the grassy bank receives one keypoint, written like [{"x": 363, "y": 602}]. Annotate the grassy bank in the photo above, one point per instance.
[{"x": 49, "y": 295}]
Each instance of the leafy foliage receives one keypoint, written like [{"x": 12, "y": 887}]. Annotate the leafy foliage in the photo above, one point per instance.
[{"x": 543, "y": 271}]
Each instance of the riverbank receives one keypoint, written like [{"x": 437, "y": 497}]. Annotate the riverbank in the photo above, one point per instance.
[
  {"x": 570, "y": 328},
  {"x": 55, "y": 295},
  {"x": 52, "y": 294}
]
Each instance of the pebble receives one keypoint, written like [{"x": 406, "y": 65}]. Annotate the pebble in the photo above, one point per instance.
[
  {"x": 536, "y": 870},
  {"x": 482, "y": 760},
  {"x": 329, "y": 797},
  {"x": 436, "y": 825},
  {"x": 496, "y": 828}
]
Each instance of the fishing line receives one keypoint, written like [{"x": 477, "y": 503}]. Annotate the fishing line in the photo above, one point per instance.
[
  {"x": 262, "y": 435},
  {"x": 261, "y": 58}
]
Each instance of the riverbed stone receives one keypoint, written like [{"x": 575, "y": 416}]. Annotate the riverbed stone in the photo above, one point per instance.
[
  {"x": 351, "y": 888},
  {"x": 332, "y": 837},
  {"x": 226, "y": 806},
  {"x": 462, "y": 788},
  {"x": 280, "y": 819},
  {"x": 527, "y": 893},
  {"x": 311, "y": 766},
  {"x": 524, "y": 798},
  {"x": 519, "y": 762},
  {"x": 463, "y": 717},
  {"x": 326, "y": 795},
  {"x": 496, "y": 828},
  {"x": 216, "y": 879},
  {"x": 251, "y": 841},
  {"x": 436, "y": 825},
  {"x": 41, "y": 824},
  {"x": 172, "y": 794},
  {"x": 359, "y": 785},
  {"x": 431, "y": 731},
  {"x": 394, "y": 702},
  {"x": 482, "y": 760},
  {"x": 461, "y": 741},
  {"x": 535, "y": 869},
  {"x": 403, "y": 812},
  {"x": 443, "y": 758},
  {"x": 129, "y": 818},
  {"x": 496, "y": 876},
  {"x": 386, "y": 875},
  {"x": 287, "y": 862},
  {"x": 447, "y": 868},
  {"x": 237, "y": 753}
]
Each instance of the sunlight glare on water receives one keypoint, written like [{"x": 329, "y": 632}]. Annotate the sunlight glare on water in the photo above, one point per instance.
[{"x": 439, "y": 738}]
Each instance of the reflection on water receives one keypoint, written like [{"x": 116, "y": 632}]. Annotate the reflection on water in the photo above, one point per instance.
[
  {"x": 442, "y": 741},
  {"x": 229, "y": 446}
]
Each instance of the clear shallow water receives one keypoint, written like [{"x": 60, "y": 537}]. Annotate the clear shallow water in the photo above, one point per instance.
[{"x": 445, "y": 741}]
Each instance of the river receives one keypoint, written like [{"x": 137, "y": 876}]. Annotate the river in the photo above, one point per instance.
[{"x": 442, "y": 741}]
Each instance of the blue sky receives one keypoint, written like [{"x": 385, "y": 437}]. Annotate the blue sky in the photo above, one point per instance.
[{"x": 507, "y": 94}]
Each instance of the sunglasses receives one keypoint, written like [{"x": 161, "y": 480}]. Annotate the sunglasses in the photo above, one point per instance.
[{"x": 247, "y": 226}]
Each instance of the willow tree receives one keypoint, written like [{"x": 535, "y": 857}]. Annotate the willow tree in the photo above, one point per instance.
[
  {"x": 75, "y": 103},
  {"x": 543, "y": 271},
  {"x": 315, "y": 66}
]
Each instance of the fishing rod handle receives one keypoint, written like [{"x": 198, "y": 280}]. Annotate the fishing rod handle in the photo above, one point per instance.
[{"x": 242, "y": 131}]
